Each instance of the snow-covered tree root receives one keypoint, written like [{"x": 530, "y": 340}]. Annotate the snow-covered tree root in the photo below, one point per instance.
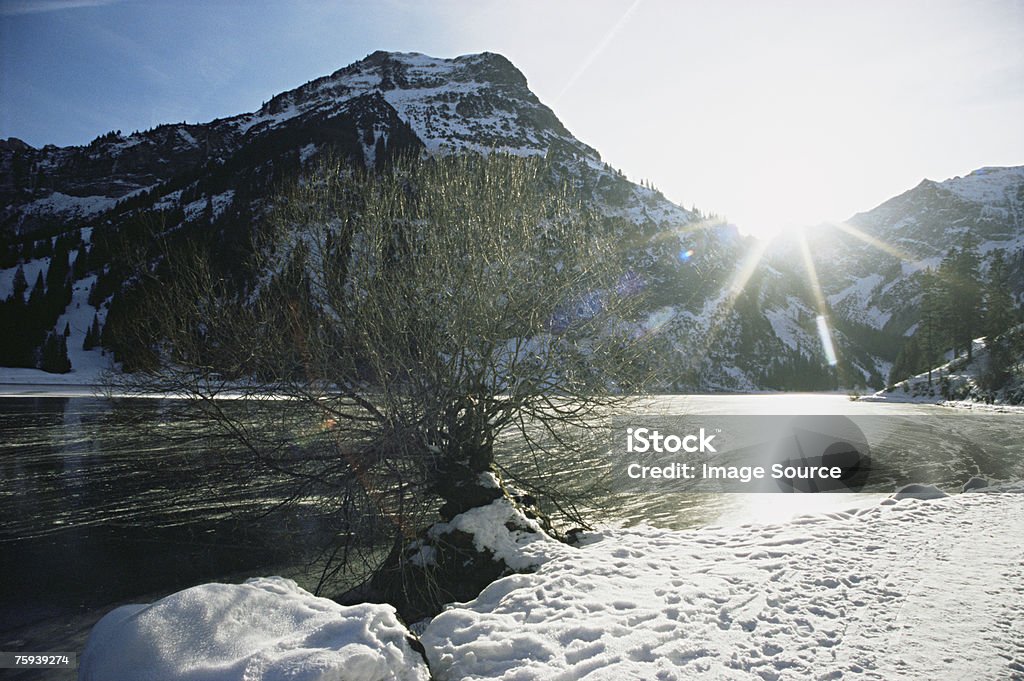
[
  {"x": 908, "y": 589},
  {"x": 454, "y": 561}
]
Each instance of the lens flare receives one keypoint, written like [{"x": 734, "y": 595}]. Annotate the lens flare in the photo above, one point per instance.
[
  {"x": 883, "y": 246},
  {"x": 826, "y": 341},
  {"x": 819, "y": 298},
  {"x": 812, "y": 275},
  {"x": 746, "y": 270}
]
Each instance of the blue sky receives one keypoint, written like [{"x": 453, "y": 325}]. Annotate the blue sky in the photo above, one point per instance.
[{"x": 771, "y": 113}]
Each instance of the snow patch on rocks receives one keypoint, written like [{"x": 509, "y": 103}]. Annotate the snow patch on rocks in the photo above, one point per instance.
[{"x": 490, "y": 527}]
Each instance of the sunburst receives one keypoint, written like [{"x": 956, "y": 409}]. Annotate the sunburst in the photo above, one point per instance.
[
  {"x": 884, "y": 246},
  {"x": 749, "y": 264}
]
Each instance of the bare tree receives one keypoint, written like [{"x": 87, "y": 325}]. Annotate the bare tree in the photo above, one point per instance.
[{"x": 405, "y": 330}]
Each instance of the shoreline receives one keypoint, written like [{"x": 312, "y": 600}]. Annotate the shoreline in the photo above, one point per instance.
[{"x": 95, "y": 390}]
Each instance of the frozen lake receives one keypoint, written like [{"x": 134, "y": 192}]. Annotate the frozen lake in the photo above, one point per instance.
[{"x": 105, "y": 503}]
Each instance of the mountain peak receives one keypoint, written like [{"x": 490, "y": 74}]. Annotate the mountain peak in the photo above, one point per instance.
[
  {"x": 476, "y": 102},
  {"x": 405, "y": 70},
  {"x": 14, "y": 144},
  {"x": 383, "y": 103}
]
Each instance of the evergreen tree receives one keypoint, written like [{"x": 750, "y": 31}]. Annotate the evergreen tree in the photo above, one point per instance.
[
  {"x": 960, "y": 271},
  {"x": 57, "y": 274},
  {"x": 997, "y": 371},
  {"x": 380, "y": 153},
  {"x": 54, "y": 358},
  {"x": 95, "y": 294},
  {"x": 42, "y": 249},
  {"x": 93, "y": 335},
  {"x": 81, "y": 266},
  {"x": 999, "y": 308},
  {"x": 908, "y": 362},
  {"x": 35, "y": 299},
  {"x": 931, "y": 327},
  {"x": 20, "y": 285}
]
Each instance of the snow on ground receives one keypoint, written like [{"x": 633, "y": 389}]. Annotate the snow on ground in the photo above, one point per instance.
[
  {"x": 31, "y": 270},
  {"x": 267, "y": 629},
  {"x": 217, "y": 202},
  {"x": 855, "y": 301},
  {"x": 74, "y": 206},
  {"x": 87, "y": 366},
  {"x": 954, "y": 384},
  {"x": 785, "y": 324},
  {"x": 906, "y": 589},
  {"x": 88, "y": 372},
  {"x": 491, "y": 527}
]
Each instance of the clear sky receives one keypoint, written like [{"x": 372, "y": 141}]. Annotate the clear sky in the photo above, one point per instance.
[{"x": 771, "y": 113}]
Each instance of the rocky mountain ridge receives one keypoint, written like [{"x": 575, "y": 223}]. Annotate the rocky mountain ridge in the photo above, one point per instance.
[
  {"x": 476, "y": 102},
  {"x": 725, "y": 318}
]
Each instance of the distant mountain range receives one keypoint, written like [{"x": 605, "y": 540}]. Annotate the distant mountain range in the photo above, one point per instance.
[{"x": 725, "y": 319}]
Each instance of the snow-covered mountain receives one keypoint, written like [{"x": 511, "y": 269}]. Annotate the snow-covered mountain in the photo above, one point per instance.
[
  {"x": 216, "y": 177},
  {"x": 872, "y": 280},
  {"x": 385, "y": 103},
  {"x": 723, "y": 319}
]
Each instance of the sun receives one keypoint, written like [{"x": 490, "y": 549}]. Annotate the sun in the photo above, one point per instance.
[{"x": 770, "y": 232}]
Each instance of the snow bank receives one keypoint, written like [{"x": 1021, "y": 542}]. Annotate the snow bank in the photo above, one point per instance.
[
  {"x": 264, "y": 630},
  {"x": 906, "y": 589}
]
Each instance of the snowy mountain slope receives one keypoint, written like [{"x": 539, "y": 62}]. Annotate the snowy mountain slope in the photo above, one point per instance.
[
  {"x": 383, "y": 105},
  {"x": 478, "y": 102},
  {"x": 722, "y": 321},
  {"x": 877, "y": 284},
  {"x": 215, "y": 178},
  {"x": 871, "y": 268}
]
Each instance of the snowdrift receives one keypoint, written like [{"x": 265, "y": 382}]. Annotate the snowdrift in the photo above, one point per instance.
[{"x": 267, "y": 629}]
